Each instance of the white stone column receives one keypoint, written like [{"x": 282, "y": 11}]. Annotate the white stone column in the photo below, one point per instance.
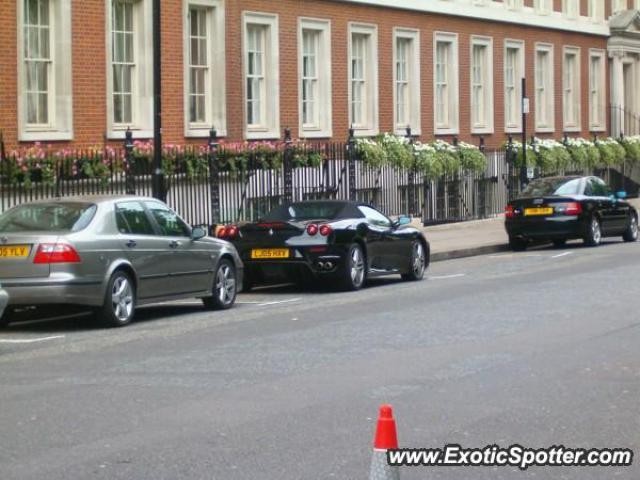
[{"x": 617, "y": 92}]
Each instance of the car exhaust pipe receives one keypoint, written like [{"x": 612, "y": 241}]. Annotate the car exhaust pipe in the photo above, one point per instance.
[
  {"x": 328, "y": 265},
  {"x": 320, "y": 265}
]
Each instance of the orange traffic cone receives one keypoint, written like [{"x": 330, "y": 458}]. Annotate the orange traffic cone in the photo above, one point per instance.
[{"x": 386, "y": 439}]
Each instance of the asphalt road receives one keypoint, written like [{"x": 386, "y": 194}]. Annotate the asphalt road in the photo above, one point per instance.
[{"x": 538, "y": 348}]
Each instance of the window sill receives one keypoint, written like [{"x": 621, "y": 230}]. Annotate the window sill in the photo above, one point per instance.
[
  {"x": 446, "y": 131},
  {"x": 262, "y": 135},
  {"x": 543, "y": 129},
  {"x": 482, "y": 131},
  {"x": 137, "y": 134},
  {"x": 402, "y": 131},
  {"x": 316, "y": 134},
  {"x": 365, "y": 132},
  {"x": 517, "y": 129},
  {"x": 572, "y": 129},
  {"x": 597, "y": 128},
  {"x": 203, "y": 133},
  {"x": 45, "y": 136}
]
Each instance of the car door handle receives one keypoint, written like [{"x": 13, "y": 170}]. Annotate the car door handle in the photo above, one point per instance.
[
  {"x": 132, "y": 244},
  {"x": 175, "y": 244}
]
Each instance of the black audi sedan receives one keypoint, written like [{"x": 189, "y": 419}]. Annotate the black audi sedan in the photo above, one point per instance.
[
  {"x": 558, "y": 209},
  {"x": 341, "y": 242}
]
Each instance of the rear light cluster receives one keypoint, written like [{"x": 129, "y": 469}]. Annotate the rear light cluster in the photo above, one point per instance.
[
  {"x": 229, "y": 232},
  {"x": 509, "y": 211},
  {"x": 324, "y": 230},
  {"x": 48, "y": 253},
  {"x": 572, "y": 208}
]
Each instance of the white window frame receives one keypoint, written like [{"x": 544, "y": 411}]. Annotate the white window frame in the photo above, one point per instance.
[
  {"x": 324, "y": 127},
  {"x": 412, "y": 82},
  {"x": 571, "y": 9},
  {"x": 452, "y": 101},
  {"x": 618, "y": 6},
  {"x": 543, "y": 7},
  {"x": 271, "y": 103},
  {"x": 572, "y": 89},
  {"x": 518, "y": 75},
  {"x": 370, "y": 126},
  {"x": 142, "y": 87},
  {"x": 549, "y": 125},
  {"x": 515, "y": 5},
  {"x": 596, "y": 11},
  {"x": 215, "y": 78},
  {"x": 483, "y": 125},
  {"x": 600, "y": 124},
  {"x": 60, "y": 89}
]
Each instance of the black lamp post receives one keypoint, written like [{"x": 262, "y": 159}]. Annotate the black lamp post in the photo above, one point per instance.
[{"x": 158, "y": 177}]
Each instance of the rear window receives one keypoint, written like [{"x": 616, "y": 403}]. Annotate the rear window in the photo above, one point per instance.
[
  {"x": 47, "y": 217},
  {"x": 552, "y": 186},
  {"x": 307, "y": 211}
]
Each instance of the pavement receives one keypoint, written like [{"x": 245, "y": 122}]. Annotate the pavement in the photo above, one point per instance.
[
  {"x": 467, "y": 239},
  {"x": 536, "y": 348}
]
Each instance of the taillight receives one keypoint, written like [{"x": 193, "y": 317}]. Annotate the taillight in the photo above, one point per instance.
[
  {"x": 232, "y": 232},
  {"x": 573, "y": 208},
  {"x": 312, "y": 229},
  {"x": 222, "y": 233},
  {"x": 509, "y": 211},
  {"x": 56, "y": 253},
  {"x": 326, "y": 230}
]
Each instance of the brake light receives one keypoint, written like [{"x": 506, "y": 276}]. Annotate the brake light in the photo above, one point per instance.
[
  {"x": 232, "y": 232},
  {"x": 56, "y": 253},
  {"x": 509, "y": 211},
  {"x": 312, "y": 229},
  {"x": 222, "y": 233},
  {"x": 326, "y": 230},
  {"x": 573, "y": 208}
]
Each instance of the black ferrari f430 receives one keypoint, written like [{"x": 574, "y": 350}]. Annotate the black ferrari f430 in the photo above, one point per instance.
[{"x": 339, "y": 241}]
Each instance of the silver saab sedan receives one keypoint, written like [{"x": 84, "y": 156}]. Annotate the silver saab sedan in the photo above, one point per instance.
[{"x": 111, "y": 254}]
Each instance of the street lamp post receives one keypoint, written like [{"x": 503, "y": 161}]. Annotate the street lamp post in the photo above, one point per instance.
[
  {"x": 524, "y": 174},
  {"x": 158, "y": 177}
]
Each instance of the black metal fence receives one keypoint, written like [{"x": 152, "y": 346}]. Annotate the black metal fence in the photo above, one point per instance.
[{"x": 217, "y": 183}]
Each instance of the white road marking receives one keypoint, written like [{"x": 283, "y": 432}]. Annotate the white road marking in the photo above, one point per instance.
[
  {"x": 278, "y": 302},
  {"x": 560, "y": 255},
  {"x": 30, "y": 340},
  {"x": 447, "y": 277}
]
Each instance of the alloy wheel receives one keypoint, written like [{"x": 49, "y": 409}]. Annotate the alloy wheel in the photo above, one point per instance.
[
  {"x": 418, "y": 259},
  {"x": 596, "y": 232},
  {"x": 357, "y": 267},
  {"x": 225, "y": 284},
  {"x": 633, "y": 228},
  {"x": 122, "y": 299}
]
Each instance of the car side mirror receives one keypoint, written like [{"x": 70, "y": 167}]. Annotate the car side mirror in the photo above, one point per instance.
[
  {"x": 621, "y": 195},
  {"x": 198, "y": 232},
  {"x": 402, "y": 220}
]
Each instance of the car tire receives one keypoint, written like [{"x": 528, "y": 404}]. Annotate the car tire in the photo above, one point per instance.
[
  {"x": 419, "y": 262},
  {"x": 594, "y": 233},
  {"x": 354, "y": 273},
  {"x": 560, "y": 243},
  {"x": 631, "y": 233},
  {"x": 119, "y": 304},
  {"x": 224, "y": 287},
  {"x": 517, "y": 244}
]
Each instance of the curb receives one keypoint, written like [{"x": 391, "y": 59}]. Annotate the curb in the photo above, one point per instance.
[{"x": 469, "y": 252}]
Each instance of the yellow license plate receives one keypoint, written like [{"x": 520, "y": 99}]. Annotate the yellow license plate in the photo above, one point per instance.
[
  {"x": 14, "y": 251},
  {"x": 530, "y": 212},
  {"x": 269, "y": 253}
]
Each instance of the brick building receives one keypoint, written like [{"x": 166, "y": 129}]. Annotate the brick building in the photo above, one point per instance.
[{"x": 80, "y": 72}]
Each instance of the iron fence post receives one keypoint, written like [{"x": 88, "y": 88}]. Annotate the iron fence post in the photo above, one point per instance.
[
  {"x": 351, "y": 159},
  {"x": 130, "y": 182},
  {"x": 510, "y": 157},
  {"x": 287, "y": 167},
  {"x": 214, "y": 177}
]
